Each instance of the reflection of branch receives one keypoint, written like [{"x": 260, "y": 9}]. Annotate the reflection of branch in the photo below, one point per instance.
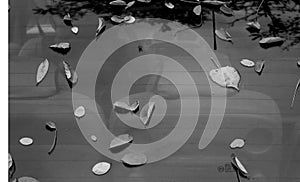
[
  {"x": 259, "y": 7},
  {"x": 242, "y": 18}
]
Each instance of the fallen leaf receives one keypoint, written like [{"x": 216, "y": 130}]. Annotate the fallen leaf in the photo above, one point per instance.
[
  {"x": 237, "y": 143},
  {"x": 254, "y": 25},
  {"x": 117, "y": 19},
  {"x": 259, "y": 66},
  {"x": 25, "y": 179},
  {"x": 238, "y": 164},
  {"x": 62, "y": 47},
  {"x": 26, "y": 141},
  {"x": 131, "y": 3},
  {"x": 223, "y": 35},
  {"x": 42, "y": 71},
  {"x": 134, "y": 159},
  {"x": 10, "y": 161},
  {"x": 247, "y": 63},
  {"x": 101, "y": 168},
  {"x": 124, "y": 106},
  {"x": 129, "y": 19},
  {"x": 226, "y": 10},
  {"x": 298, "y": 63},
  {"x": 144, "y": 1},
  {"x": 101, "y": 26},
  {"x": 214, "y": 2},
  {"x": 146, "y": 113},
  {"x": 118, "y": 3},
  {"x": 79, "y": 112},
  {"x": 93, "y": 138},
  {"x": 75, "y": 30},
  {"x": 67, "y": 19},
  {"x": 70, "y": 74},
  {"x": 270, "y": 40},
  {"x": 169, "y": 5},
  {"x": 52, "y": 127},
  {"x": 121, "y": 140},
  {"x": 295, "y": 92},
  {"x": 197, "y": 10},
  {"x": 226, "y": 77}
]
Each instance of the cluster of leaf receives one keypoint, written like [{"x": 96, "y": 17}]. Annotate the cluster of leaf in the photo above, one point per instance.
[{"x": 283, "y": 15}]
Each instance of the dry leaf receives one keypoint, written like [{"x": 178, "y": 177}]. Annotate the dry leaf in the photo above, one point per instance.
[
  {"x": 62, "y": 47},
  {"x": 10, "y": 161},
  {"x": 75, "y": 30},
  {"x": 101, "y": 168},
  {"x": 67, "y": 20},
  {"x": 121, "y": 140},
  {"x": 270, "y": 40},
  {"x": 42, "y": 71},
  {"x": 79, "y": 112},
  {"x": 146, "y": 113},
  {"x": 52, "y": 127},
  {"x": 118, "y": 105},
  {"x": 26, "y": 179},
  {"x": 93, "y": 138},
  {"x": 259, "y": 66},
  {"x": 247, "y": 63},
  {"x": 254, "y": 25},
  {"x": 226, "y": 10},
  {"x": 70, "y": 74},
  {"x": 101, "y": 26},
  {"x": 223, "y": 35},
  {"x": 298, "y": 63},
  {"x": 134, "y": 159},
  {"x": 237, "y": 143},
  {"x": 197, "y": 10},
  {"x": 214, "y": 2},
  {"x": 118, "y": 3},
  {"x": 144, "y": 1},
  {"x": 117, "y": 19},
  {"x": 131, "y": 3},
  {"x": 295, "y": 92},
  {"x": 26, "y": 141},
  {"x": 238, "y": 164},
  {"x": 129, "y": 19},
  {"x": 169, "y": 5},
  {"x": 226, "y": 77}
]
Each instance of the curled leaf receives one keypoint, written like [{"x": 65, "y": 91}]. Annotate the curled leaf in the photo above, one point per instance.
[
  {"x": 237, "y": 143},
  {"x": 197, "y": 10},
  {"x": 70, "y": 74},
  {"x": 93, "y": 138},
  {"x": 226, "y": 10},
  {"x": 79, "y": 112},
  {"x": 129, "y": 19},
  {"x": 223, "y": 35},
  {"x": 134, "y": 159},
  {"x": 271, "y": 40},
  {"x": 169, "y": 5},
  {"x": 52, "y": 127},
  {"x": 146, "y": 113},
  {"x": 238, "y": 164},
  {"x": 295, "y": 92},
  {"x": 226, "y": 77},
  {"x": 101, "y": 168},
  {"x": 247, "y": 63},
  {"x": 42, "y": 71},
  {"x": 118, "y": 3},
  {"x": 118, "y": 105},
  {"x": 254, "y": 24},
  {"x": 117, "y": 19},
  {"x": 63, "y": 47},
  {"x": 26, "y": 141},
  {"x": 121, "y": 140},
  {"x": 101, "y": 26}
]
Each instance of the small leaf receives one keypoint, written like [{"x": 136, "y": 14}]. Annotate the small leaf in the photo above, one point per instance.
[
  {"x": 197, "y": 10},
  {"x": 119, "y": 105},
  {"x": 226, "y": 77},
  {"x": 237, "y": 143},
  {"x": 10, "y": 161},
  {"x": 93, "y": 138},
  {"x": 42, "y": 71},
  {"x": 129, "y": 19},
  {"x": 295, "y": 92},
  {"x": 75, "y": 30},
  {"x": 247, "y": 63},
  {"x": 26, "y": 141},
  {"x": 118, "y": 3},
  {"x": 298, "y": 63},
  {"x": 134, "y": 159},
  {"x": 117, "y": 19},
  {"x": 146, "y": 113},
  {"x": 51, "y": 126},
  {"x": 270, "y": 40},
  {"x": 101, "y": 168},
  {"x": 226, "y": 10},
  {"x": 67, "y": 20},
  {"x": 169, "y": 5},
  {"x": 223, "y": 35},
  {"x": 70, "y": 74},
  {"x": 144, "y": 1},
  {"x": 131, "y": 3},
  {"x": 259, "y": 66},
  {"x": 62, "y": 47},
  {"x": 121, "y": 140},
  {"x": 79, "y": 112},
  {"x": 254, "y": 25},
  {"x": 238, "y": 164},
  {"x": 26, "y": 179}
]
